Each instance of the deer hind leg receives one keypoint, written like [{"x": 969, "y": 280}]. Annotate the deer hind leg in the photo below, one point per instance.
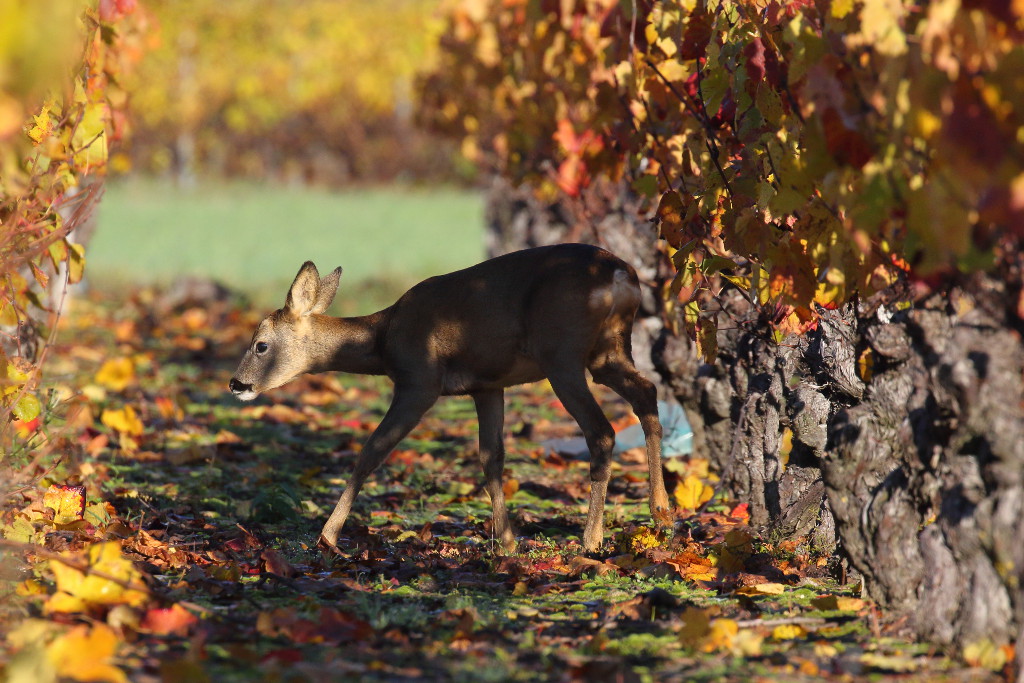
[
  {"x": 615, "y": 370},
  {"x": 570, "y": 385},
  {"x": 490, "y": 410},
  {"x": 405, "y": 412}
]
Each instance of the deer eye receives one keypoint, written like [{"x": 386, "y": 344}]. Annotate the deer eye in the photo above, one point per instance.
[{"x": 261, "y": 347}]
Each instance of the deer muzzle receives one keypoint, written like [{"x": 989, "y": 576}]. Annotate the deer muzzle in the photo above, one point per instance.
[{"x": 241, "y": 390}]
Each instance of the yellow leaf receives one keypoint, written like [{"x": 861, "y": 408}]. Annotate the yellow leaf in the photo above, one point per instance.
[
  {"x": 720, "y": 635},
  {"x": 30, "y": 587},
  {"x": 747, "y": 643},
  {"x": 691, "y": 493},
  {"x": 67, "y": 503},
  {"x": 835, "y": 602},
  {"x": 763, "y": 589},
  {"x": 696, "y": 625},
  {"x": 985, "y": 654},
  {"x": 866, "y": 365},
  {"x": 84, "y": 654},
  {"x": 124, "y": 421},
  {"x": 42, "y": 126},
  {"x": 90, "y": 138},
  {"x": 896, "y": 663},
  {"x": 840, "y": 8},
  {"x": 116, "y": 373},
  {"x": 76, "y": 262},
  {"x": 640, "y": 540},
  {"x": 788, "y": 632},
  {"x": 76, "y": 590}
]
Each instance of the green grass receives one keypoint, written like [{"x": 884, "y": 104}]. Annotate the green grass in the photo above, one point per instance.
[{"x": 253, "y": 238}]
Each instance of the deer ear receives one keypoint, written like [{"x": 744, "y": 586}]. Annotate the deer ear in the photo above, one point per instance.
[
  {"x": 328, "y": 288},
  {"x": 302, "y": 295}
]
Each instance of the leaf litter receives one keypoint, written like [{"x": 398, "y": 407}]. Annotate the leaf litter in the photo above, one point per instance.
[{"x": 174, "y": 541}]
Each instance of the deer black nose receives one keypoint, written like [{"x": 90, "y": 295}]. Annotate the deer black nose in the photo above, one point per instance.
[{"x": 237, "y": 387}]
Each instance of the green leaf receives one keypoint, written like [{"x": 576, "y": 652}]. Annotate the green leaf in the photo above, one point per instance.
[{"x": 27, "y": 408}]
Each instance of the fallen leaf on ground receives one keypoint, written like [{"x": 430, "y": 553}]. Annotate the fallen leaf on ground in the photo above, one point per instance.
[
  {"x": 836, "y": 602},
  {"x": 76, "y": 591},
  {"x": 763, "y": 589},
  {"x": 83, "y": 654},
  {"x": 985, "y": 654},
  {"x": 173, "y": 620},
  {"x": 691, "y": 493},
  {"x": 124, "y": 421},
  {"x": 116, "y": 374},
  {"x": 788, "y": 632},
  {"x": 67, "y": 502}
]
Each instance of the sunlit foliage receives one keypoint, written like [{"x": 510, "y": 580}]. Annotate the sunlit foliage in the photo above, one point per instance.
[{"x": 808, "y": 150}]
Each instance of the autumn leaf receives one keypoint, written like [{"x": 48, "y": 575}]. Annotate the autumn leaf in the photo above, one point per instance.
[
  {"x": 733, "y": 552},
  {"x": 715, "y": 635},
  {"x": 638, "y": 540},
  {"x": 42, "y": 125},
  {"x": 835, "y": 602},
  {"x": 173, "y": 620},
  {"x": 788, "y": 632},
  {"x": 123, "y": 420},
  {"x": 84, "y": 654},
  {"x": 691, "y": 493},
  {"x": 741, "y": 512},
  {"x": 985, "y": 654},
  {"x": 762, "y": 589},
  {"x": 693, "y": 567},
  {"x": 670, "y": 216},
  {"x": 116, "y": 374},
  {"x": 27, "y": 408},
  {"x": 67, "y": 502},
  {"x": 696, "y": 625},
  {"x": 77, "y": 591},
  {"x": 89, "y": 140}
]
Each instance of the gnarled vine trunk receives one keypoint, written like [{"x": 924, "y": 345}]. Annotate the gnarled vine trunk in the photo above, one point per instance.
[{"x": 911, "y": 465}]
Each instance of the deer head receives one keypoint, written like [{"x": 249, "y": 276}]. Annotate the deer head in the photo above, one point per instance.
[{"x": 284, "y": 345}]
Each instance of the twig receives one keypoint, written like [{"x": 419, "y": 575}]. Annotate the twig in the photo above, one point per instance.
[
  {"x": 810, "y": 621},
  {"x": 702, "y": 116}
]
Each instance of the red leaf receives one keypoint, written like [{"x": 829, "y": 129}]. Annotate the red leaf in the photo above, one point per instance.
[
  {"x": 173, "y": 620},
  {"x": 847, "y": 146},
  {"x": 741, "y": 511}
]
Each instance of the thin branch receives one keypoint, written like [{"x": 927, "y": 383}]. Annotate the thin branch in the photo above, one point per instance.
[
  {"x": 702, "y": 117},
  {"x": 810, "y": 621}
]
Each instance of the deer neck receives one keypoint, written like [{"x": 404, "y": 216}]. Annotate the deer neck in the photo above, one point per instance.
[{"x": 348, "y": 344}]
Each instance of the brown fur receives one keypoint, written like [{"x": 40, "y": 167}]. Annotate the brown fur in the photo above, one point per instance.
[{"x": 550, "y": 312}]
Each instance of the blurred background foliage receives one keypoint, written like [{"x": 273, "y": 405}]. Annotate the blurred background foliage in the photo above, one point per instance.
[{"x": 319, "y": 91}]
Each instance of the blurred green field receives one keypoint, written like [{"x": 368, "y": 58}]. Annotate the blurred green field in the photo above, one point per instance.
[{"x": 253, "y": 238}]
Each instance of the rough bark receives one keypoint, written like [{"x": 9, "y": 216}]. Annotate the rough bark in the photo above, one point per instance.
[
  {"x": 913, "y": 469},
  {"x": 915, "y": 474}
]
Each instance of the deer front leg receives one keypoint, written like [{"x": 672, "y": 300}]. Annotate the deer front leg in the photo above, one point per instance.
[
  {"x": 405, "y": 412},
  {"x": 490, "y": 410}
]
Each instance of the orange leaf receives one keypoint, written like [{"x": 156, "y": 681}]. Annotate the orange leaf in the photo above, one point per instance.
[
  {"x": 84, "y": 654},
  {"x": 173, "y": 620}
]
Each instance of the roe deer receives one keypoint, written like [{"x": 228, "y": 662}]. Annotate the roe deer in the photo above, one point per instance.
[{"x": 550, "y": 312}]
